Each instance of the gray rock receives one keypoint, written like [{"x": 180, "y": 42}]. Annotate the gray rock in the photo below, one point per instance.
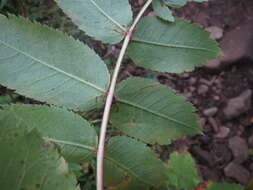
[
  {"x": 239, "y": 105},
  {"x": 210, "y": 111},
  {"x": 216, "y": 32},
  {"x": 223, "y": 132},
  {"x": 239, "y": 148},
  {"x": 237, "y": 172},
  {"x": 236, "y": 44},
  {"x": 203, "y": 89}
]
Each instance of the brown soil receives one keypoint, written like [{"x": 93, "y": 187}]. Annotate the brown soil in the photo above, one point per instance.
[{"x": 208, "y": 89}]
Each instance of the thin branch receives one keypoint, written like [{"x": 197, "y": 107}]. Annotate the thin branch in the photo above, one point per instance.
[{"x": 101, "y": 147}]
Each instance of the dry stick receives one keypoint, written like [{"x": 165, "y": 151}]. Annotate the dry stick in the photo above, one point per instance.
[{"x": 101, "y": 147}]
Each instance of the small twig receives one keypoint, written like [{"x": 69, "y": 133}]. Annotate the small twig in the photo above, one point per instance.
[{"x": 109, "y": 100}]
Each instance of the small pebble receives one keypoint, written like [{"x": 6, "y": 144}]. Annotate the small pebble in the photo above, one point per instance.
[
  {"x": 216, "y": 32},
  {"x": 203, "y": 89},
  {"x": 210, "y": 111},
  {"x": 192, "y": 80},
  {"x": 192, "y": 88},
  {"x": 238, "y": 105},
  {"x": 223, "y": 132}
]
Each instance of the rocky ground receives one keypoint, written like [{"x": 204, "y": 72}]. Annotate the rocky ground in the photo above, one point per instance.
[{"x": 221, "y": 90}]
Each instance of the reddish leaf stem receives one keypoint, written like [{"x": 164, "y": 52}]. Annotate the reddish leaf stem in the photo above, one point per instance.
[{"x": 109, "y": 100}]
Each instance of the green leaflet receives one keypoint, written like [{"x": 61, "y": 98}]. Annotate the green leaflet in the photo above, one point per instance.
[
  {"x": 182, "y": 171},
  {"x": 162, "y": 10},
  {"x": 132, "y": 165},
  {"x": 75, "y": 137},
  {"x": 175, "y": 3},
  {"x": 152, "y": 112},
  {"x": 27, "y": 162},
  {"x": 179, "y": 3},
  {"x": 106, "y": 20},
  {"x": 224, "y": 186},
  {"x": 49, "y": 66},
  {"x": 200, "y": 1},
  {"x": 171, "y": 47}
]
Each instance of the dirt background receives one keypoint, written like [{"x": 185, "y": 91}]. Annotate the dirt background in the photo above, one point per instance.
[{"x": 220, "y": 90}]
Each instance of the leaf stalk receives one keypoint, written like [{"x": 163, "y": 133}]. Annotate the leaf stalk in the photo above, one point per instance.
[{"x": 109, "y": 99}]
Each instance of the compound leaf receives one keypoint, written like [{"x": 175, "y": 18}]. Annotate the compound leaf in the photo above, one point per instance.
[
  {"x": 103, "y": 19},
  {"x": 27, "y": 162},
  {"x": 49, "y": 66},
  {"x": 132, "y": 165},
  {"x": 162, "y": 10},
  {"x": 171, "y": 47},
  {"x": 74, "y": 135},
  {"x": 182, "y": 171},
  {"x": 152, "y": 112}
]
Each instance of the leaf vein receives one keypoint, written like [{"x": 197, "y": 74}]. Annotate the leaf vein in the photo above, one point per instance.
[{"x": 54, "y": 68}]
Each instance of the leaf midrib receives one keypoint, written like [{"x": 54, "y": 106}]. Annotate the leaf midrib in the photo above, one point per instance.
[
  {"x": 156, "y": 113},
  {"x": 108, "y": 17},
  {"x": 70, "y": 143},
  {"x": 87, "y": 83},
  {"x": 170, "y": 45}
]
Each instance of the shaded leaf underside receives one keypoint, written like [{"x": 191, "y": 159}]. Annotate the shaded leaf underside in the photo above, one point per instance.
[
  {"x": 104, "y": 20},
  {"x": 144, "y": 107},
  {"x": 171, "y": 47},
  {"x": 26, "y": 162},
  {"x": 162, "y": 10},
  {"x": 131, "y": 164},
  {"x": 75, "y": 137},
  {"x": 49, "y": 66}
]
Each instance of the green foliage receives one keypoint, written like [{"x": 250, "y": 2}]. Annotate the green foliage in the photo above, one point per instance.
[
  {"x": 175, "y": 3},
  {"x": 5, "y": 99},
  {"x": 145, "y": 107},
  {"x": 183, "y": 175},
  {"x": 179, "y": 3},
  {"x": 163, "y": 11},
  {"x": 36, "y": 142},
  {"x": 28, "y": 162},
  {"x": 49, "y": 66},
  {"x": 105, "y": 20},
  {"x": 224, "y": 186},
  {"x": 182, "y": 172},
  {"x": 74, "y": 136},
  {"x": 167, "y": 49},
  {"x": 124, "y": 157}
]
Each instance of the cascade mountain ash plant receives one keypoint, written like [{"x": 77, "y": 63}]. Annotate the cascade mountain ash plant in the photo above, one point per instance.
[{"x": 38, "y": 141}]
